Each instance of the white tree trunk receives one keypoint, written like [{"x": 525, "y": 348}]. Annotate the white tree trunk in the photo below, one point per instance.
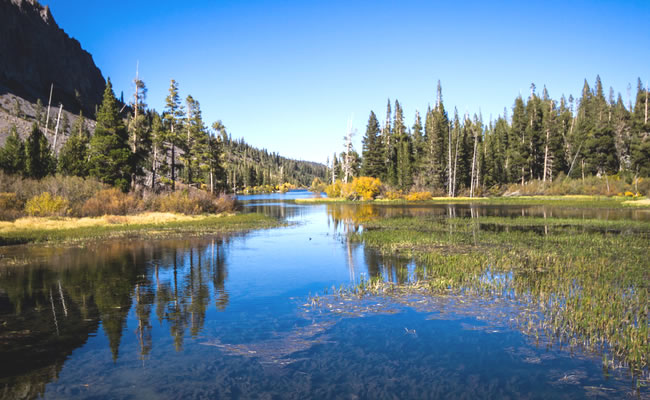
[
  {"x": 49, "y": 102},
  {"x": 546, "y": 156},
  {"x": 471, "y": 190},
  {"x": 56, "y": 130},
  {"x": 449, "y": 164}
]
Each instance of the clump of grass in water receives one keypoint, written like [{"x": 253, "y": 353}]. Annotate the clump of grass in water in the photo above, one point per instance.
[{"x": 584, "y": 286}]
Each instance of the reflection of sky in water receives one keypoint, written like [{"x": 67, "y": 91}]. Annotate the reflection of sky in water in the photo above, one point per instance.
[{"x": 237, "y": 304}]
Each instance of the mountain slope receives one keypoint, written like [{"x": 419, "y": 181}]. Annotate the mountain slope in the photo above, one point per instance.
[{"x": 35, "y": 53}]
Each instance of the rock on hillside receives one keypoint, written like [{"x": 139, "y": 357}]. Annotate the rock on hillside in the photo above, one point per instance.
[{"x": 35, "y": 52}]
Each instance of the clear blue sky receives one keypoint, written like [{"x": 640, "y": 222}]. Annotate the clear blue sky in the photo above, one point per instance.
[{"x": 286, "y": 76}]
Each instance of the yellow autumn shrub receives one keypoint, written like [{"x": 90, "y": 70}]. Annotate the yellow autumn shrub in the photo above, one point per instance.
[
  {"x": 333, "y": 190},
  {"x": 419, "y": 196},
  {"x": 46, "y": 205},
  {"x": 366, "y": 188},
  {"x": 394, "y": 195}
]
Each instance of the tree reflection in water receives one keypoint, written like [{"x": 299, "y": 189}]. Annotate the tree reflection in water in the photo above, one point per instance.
[{"x": 49, "y": 308}]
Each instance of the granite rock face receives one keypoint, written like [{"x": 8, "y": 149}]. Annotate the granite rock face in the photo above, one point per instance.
[{"x": 35, "y": 53}]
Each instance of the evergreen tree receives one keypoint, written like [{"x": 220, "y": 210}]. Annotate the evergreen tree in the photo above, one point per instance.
[
  {"x": 396, "y": 167},
  {"x": 600, "y": 149},
  {"x": 39, "y": 161},
  {"x": 73, "y": 158},
  {"x": 640, "y": 147},
  {"x": 400, "y": 171},
  {"x": 173, "y": 117},
  {"x": 12, "y": 155},
  {"x": 196, "y": 141},
  {"x": 438, "y": 135},
  {"x": 109, "y": 153},
  {"x": 585, "y": 126},
  {"x": 139, "y": 127},
  {"x": 373, "y": 159},
  {"x": 517, "y": 147},
  {"x": 419, "y": 143},
  {"x": 387, "y": 144},
  {"x": 214, "y": 155},
  {"x": 159, "y": 149},
  {"x": 465, "y": 152},
  {"x": 622, "y": 132},
  {"x": 533, "y": 136},
  {"x": 251, "y": 176}
]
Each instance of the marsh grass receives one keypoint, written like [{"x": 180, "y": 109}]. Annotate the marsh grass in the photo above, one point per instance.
[
  {"x": 150, "y": 225},
  {"x": 586, "y": 281}
]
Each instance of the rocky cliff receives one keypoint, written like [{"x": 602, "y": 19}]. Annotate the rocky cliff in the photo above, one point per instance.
[{"x": 35, "y": 53}]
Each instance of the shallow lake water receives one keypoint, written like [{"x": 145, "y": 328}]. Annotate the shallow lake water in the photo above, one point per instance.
[{"x": 229, "y": 317}]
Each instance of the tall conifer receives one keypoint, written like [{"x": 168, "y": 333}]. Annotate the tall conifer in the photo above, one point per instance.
[{"x": 109, "y": 153}]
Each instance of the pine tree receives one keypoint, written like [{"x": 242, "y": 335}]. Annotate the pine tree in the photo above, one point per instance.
[
  {"x": 400, "y": 172},
  {"x": 251, "y": 176},
  {"x": 622, "y": 133},
  {"x": 139, "y": 127},
  {"x": 438, "y": 134},
  {"x": 12, "y": 155},
  {"x": 109, "y": 153},
  {"x": 387, "y": 143},
  {"x": 454, "y": 147},
  {"x": 373, "y": 159},
  {"x": 196, "y": 141},
  {"x": 419, "y": 143},
  {"x": 640, "y": 147},
  {"x": 517, "y": 146},
  {"x": 73, "y": 158},
  {"x": 39, "y": 161},
  {"x": 533, "y": 136},
  {"x": 584, "y": 128},
  {"x": 159, "y": 150},
  {"x": 214, "y": 157},
  {"x": 172, "y": 117}
]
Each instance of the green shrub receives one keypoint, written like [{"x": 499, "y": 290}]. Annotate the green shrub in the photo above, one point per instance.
[{"x": 46, "y": 205}]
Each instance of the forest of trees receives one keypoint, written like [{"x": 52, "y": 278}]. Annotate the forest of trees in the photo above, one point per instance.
[
  {"x": 541, "y": 140},
  {"x": 134, "y": 147}
]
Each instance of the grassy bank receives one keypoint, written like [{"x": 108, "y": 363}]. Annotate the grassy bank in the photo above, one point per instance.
[
  {"x": 581, "y": 201},
  {"x": 584, "y": 282},
  {"x": 150, "y": 225}
]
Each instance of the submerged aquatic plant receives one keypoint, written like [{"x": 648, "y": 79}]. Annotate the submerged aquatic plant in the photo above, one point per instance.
[{"x": 578, "y": 283}]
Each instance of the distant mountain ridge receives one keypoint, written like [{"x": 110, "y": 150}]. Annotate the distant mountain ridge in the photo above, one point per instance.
[{"x": 35, "y": 53}]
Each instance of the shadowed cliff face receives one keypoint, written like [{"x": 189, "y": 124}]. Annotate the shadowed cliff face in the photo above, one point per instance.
[{"x": 35, "y": 52}]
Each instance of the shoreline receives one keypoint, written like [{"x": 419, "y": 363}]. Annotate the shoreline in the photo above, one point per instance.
[
  {"x": 152, "y": 225},
  {"x": 587, "y": 201}
]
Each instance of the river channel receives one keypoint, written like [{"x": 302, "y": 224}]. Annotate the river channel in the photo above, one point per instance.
[{"x": 231, "y": 317}]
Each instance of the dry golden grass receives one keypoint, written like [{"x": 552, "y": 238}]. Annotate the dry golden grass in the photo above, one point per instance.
[
  {"x": 642, "y": 202},
  {"x": 53, "y": 223}
]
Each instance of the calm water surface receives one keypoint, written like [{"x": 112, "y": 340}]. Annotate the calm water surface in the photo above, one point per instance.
[{"x": 228, "y": 317}]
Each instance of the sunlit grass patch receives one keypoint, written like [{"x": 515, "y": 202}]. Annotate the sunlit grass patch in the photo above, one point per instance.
[{"x": 152, "y": 224}]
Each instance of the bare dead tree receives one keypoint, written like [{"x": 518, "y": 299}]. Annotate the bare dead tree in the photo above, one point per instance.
[
  {"x": 56, "y": 130},
  {"x": 49, "y": 102}
]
